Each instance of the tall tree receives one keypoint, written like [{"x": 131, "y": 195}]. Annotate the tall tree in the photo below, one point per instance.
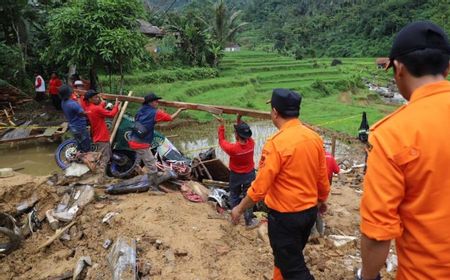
[
  {"x": 196, "y": 46},
  {"x": 95, "y": 33}
]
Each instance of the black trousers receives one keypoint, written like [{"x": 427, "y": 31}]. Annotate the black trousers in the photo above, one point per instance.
[
  {"x": 288, "y": 234},
  {"x": 56, "y": 101}
]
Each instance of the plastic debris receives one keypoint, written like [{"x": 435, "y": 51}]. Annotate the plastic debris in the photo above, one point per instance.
[
  {"x": 82, "y": 196},
  {"x": 122, "y": 259},
  {"x": 108, "y": 217},
  {"x": 391, "y": 262},
  {"x": 133, "y": 185},
  {"x": 107, "y": 243},
  {"x": 341, "y": 240},
  {"x": 6, "y": 172},
  {"x": 26, "y": 205},
  {"x": 81, "y": 264},
  {"x": 76, "y": 170}
]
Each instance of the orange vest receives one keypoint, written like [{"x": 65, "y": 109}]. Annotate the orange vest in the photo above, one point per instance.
[
  {"x": 292, "y": 174},
  {"x": 407, "y": 185}
]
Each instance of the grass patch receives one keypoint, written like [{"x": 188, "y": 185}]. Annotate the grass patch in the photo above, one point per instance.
[{"x": 246, "y": 80}]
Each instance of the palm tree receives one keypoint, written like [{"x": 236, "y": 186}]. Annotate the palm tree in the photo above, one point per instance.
[{"x": 226, "y": 28}]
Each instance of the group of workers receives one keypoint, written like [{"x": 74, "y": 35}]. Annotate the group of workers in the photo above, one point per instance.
[
  {"x": 406, "y": 188},
  {"x": 83, "y": 109}
]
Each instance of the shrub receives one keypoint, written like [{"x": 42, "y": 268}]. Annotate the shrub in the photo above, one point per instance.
[
  {"x": 11, "y": 67},
  {"x": 167, "y": 76}
]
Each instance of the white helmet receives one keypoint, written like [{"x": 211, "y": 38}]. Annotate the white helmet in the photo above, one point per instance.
[{"x": 78, "y": 83}]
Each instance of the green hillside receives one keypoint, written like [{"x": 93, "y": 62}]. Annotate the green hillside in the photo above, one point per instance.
[{"x": 333, "y": 97}]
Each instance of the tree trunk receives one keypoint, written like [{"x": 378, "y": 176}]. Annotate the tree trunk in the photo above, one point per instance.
[
  {"x": 93, "y": 77},
  {"x": 72, "y": 70},
  {"x": 110, "y": 78},
  {"x": 121, "y": 78},
  {"x": 19, "y": 45}
]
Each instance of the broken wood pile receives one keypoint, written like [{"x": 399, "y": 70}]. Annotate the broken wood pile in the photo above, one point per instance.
[
  {"x": 27, "y": 132},
  {"x": 6, "y": 116},
  {"x": 11, "y": 94}
]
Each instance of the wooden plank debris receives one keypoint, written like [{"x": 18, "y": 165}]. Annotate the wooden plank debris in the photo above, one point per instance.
[
  {"x": 28, "y": 132},
  {"x": 58, "y": 233},
  {"x": 218, "y": 184}
]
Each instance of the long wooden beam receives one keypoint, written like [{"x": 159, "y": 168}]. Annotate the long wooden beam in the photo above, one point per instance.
[
  {"x": 214, "y": 109},
  {"x": 194, "y": 106}
]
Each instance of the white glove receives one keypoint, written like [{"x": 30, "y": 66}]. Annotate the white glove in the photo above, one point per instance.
[{"x": 109, "y": 106}]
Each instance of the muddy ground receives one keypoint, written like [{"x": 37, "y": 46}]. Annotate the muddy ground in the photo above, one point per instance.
[{"x": 176, "y": 239}]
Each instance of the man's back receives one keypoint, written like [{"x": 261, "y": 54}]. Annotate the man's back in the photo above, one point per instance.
[
  {"x": 73, "y": 113},
  {"x": 292, "y": 170},
  {"x": 407, "y": 186}
]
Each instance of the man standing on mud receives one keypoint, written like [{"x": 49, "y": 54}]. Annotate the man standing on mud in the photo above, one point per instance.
[
  {"x": 39, "y": 87},
  {"x": 53, "y": 88},
  {"x": 242, "y": 166},
  {"x": 407, "y": 185},
  {"x": 100, "y": 135},
  {"x": 292, "y": 179},
  {"x": 142, "y": 135}
]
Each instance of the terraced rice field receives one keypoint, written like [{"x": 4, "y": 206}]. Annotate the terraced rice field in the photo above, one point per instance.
[{"x": 333, "y": 96}]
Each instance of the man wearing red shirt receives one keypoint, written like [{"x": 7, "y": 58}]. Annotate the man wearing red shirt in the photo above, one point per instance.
[
  {"x": 332, "y": 166},
  {"x": 242, "y": 166},
  {"x": 99, "y": 131},
  {"x": 53, "y": 89}
]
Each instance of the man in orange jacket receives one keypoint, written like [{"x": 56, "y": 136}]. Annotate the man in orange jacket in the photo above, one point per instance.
[
  {"x": 407, "y": 186},
  {"x": 292, "y": 180}
]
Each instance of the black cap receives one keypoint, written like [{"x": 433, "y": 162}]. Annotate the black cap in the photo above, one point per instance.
[
  {"x": 90, "y": 93},
  {"x": 150, "y": 98},
  {"x": 243, "y": 130},
  {"x": 64, "y": 92},
  {"x": 418, "y": 35},
  {"x": 286, "y": 101}
]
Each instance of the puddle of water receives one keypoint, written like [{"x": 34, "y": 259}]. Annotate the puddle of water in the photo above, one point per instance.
[
  {"x": 198, "y": 138},
  {"x": 37, "y": 158}
]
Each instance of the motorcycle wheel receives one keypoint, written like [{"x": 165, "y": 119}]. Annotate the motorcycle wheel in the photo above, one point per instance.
[
  {"x": 65, "y": 153},
  {"x": 122, "y": 171}
]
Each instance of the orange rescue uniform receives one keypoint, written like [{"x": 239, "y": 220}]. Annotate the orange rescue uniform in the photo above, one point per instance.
[
  {"x": 292, "y": 173},
  {"x": 407, "y": 185}
]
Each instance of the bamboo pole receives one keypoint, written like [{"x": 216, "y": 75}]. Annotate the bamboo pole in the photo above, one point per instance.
[
  {"x": 58, "y": 233},
  {"x": 119, "y": 119}
]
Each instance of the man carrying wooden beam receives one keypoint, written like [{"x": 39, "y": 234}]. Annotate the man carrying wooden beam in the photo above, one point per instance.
[
  {"x": 142, "y": 134},
  {"x": 242, "y": 166},
  {"x": 96, "y": 114}
]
